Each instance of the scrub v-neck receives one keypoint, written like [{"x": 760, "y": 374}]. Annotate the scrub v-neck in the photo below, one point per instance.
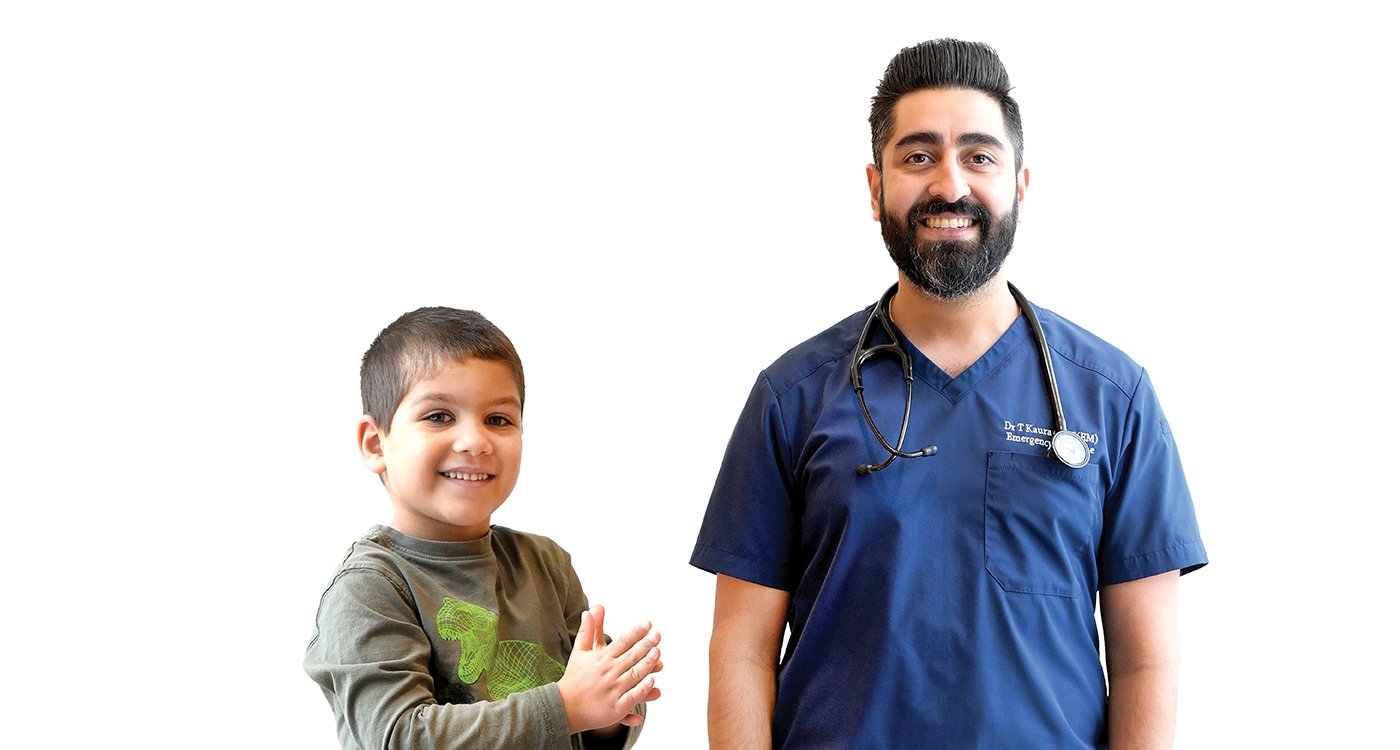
[{"x": 954, "y": 388}]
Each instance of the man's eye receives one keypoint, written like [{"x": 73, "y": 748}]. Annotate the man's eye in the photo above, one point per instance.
[
  {"x": 981, "y": 160},
  {"x": 919, "y": 159}
]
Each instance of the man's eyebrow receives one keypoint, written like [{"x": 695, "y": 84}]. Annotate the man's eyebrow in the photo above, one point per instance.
[
  {"x": 929, "y": 138},
  {"x": 981, "y": 139},
  {"x": 921, "y": 138}
]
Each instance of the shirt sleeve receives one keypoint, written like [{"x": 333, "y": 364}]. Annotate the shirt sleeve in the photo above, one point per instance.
[
  {"x": 370, "y": 656},
  {"x": 755, "y": 484},
  {"x": 1149, "y": 519}
]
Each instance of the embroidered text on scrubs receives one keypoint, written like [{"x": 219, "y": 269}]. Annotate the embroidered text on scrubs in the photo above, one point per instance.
[{"x": 1033, "y": 434}]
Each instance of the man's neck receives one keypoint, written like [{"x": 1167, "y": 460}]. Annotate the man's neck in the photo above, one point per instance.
[{"x": 954, "y": 333}]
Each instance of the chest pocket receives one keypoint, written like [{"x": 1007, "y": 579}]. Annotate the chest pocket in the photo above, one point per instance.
[{"x": 1041, "y": 524}]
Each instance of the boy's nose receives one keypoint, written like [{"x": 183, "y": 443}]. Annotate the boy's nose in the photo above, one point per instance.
[{"x": 471, "y": 439}]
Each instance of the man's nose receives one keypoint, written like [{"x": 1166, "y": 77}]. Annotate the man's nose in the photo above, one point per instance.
[{"x": 948, "y": 183}]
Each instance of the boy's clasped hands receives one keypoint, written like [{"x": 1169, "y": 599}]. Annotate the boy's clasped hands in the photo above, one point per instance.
[{"x": 604, "y": 683}]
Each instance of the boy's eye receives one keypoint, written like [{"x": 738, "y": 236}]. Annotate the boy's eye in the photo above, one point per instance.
[
  {"x": 499, "y": 420},
  {"x": 439, "y": 417}
]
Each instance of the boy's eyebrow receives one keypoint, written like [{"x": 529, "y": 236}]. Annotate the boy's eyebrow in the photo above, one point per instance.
[
  {"x": 452, "y": 399},
  {"x": 929, "y": 138}
]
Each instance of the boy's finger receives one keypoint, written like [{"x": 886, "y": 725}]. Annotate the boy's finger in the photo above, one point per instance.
[
  {"x": 623, "y": 663},
  {"x": 585, "y": 638},
  {"x": 644, "y": 666},
  {"x": 600, "y": 638},
  {"x": 639, "y": 694},
  {"x": 632, "y": 637}
]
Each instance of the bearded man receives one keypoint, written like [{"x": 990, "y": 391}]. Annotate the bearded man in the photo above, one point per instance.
[{"x": 942, "y": 593}]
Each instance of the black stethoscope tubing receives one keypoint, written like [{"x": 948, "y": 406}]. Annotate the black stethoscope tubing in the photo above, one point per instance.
[{"x": 1067, "y": 446}]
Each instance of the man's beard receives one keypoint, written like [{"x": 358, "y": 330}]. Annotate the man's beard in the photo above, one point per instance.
[{"x": 948, "y": 269}]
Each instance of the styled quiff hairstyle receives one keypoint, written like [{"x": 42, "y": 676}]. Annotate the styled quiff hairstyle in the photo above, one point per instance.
[
  {"x": 417, "y": 345},
  {"x": 943, "y": 64}
]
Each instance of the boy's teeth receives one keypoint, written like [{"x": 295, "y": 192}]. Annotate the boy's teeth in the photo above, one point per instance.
[
  {"x": 938, "y": 222},
  {"x": 470, "y": 477}
]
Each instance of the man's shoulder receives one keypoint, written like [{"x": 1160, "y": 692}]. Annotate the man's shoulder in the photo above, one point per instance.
[
  {"x": 1089, "y": 352},
  {"x": 815, "y": 355}
]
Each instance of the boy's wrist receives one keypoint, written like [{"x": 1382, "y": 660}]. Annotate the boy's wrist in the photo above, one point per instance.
[{"x": 571, "y": 710}]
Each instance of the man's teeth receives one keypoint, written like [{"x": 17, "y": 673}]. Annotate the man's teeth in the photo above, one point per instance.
[
  {"x": 942, "y": 222},
  {"x": 470, "y": 477}
]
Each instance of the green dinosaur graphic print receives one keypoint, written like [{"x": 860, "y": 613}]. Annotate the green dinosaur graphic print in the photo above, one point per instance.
[{"x": 509, "y": 666}]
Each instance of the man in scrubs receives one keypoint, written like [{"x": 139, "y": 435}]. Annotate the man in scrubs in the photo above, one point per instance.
[{"x": 948, "y": 600}]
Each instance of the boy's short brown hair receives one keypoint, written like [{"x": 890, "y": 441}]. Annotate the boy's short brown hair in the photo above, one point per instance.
[{"x": 417, "y": 344}]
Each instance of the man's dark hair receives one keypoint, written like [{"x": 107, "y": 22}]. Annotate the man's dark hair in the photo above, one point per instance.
[
  {"x": 417, "y": 345},
  {"x": 943, "y": 64}
]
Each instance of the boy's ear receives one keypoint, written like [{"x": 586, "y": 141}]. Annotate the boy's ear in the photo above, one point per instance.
[{"x": 371, "y": 446}]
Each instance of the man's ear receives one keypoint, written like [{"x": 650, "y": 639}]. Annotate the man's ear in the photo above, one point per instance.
[
  {"x": 371, "y": 444},
  {"x": 872, "y": 176}
]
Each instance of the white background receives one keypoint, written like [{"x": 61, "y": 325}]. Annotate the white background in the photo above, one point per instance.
[{"x": 209, "y": 209}]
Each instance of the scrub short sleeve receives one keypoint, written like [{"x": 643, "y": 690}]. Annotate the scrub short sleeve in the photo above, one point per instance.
[
  {"x": 748, "y": 528},
  {"x": 1149, "y": 519}
]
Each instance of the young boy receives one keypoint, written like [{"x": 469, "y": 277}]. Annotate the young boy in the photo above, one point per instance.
[{"x": 441, "y": 630}]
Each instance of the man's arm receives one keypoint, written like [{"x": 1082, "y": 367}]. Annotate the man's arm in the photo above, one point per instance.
[
  {"x": 748, "y": 631},
  {"x": 1140, "y": 640}
]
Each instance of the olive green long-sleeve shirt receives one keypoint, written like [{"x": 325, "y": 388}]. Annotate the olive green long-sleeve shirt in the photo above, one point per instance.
[{"x": 424, "y": 644}]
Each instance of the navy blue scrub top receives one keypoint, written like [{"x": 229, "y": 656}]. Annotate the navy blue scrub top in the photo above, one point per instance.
[{"x": 947, "y": 602}]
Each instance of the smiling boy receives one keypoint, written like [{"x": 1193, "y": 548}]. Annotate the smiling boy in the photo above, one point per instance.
[
  {"x": 445, "y": 480},
  {"x": 441, "y": 630}
]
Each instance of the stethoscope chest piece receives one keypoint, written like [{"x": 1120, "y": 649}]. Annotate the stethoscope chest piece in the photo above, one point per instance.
[{"x": 1070, "y": 449}]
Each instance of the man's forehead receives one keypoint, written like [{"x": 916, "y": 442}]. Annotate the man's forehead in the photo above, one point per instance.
[{"x": 949, "y": 111}]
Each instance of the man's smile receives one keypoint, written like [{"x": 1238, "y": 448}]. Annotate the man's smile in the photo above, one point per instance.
[{"x": 947, "y": 222}]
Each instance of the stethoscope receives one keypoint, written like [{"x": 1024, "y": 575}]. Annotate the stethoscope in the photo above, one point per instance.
[{"x": 1067, "y": 446}]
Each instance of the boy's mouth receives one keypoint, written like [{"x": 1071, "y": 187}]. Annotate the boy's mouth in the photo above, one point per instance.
[{"x": 466, "y": 475}]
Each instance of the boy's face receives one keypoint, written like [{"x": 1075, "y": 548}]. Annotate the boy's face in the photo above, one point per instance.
[{"x": 452, "y": 453}]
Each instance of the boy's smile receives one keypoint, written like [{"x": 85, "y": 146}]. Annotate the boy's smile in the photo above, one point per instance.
[{"x": 452, "y": 453}]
